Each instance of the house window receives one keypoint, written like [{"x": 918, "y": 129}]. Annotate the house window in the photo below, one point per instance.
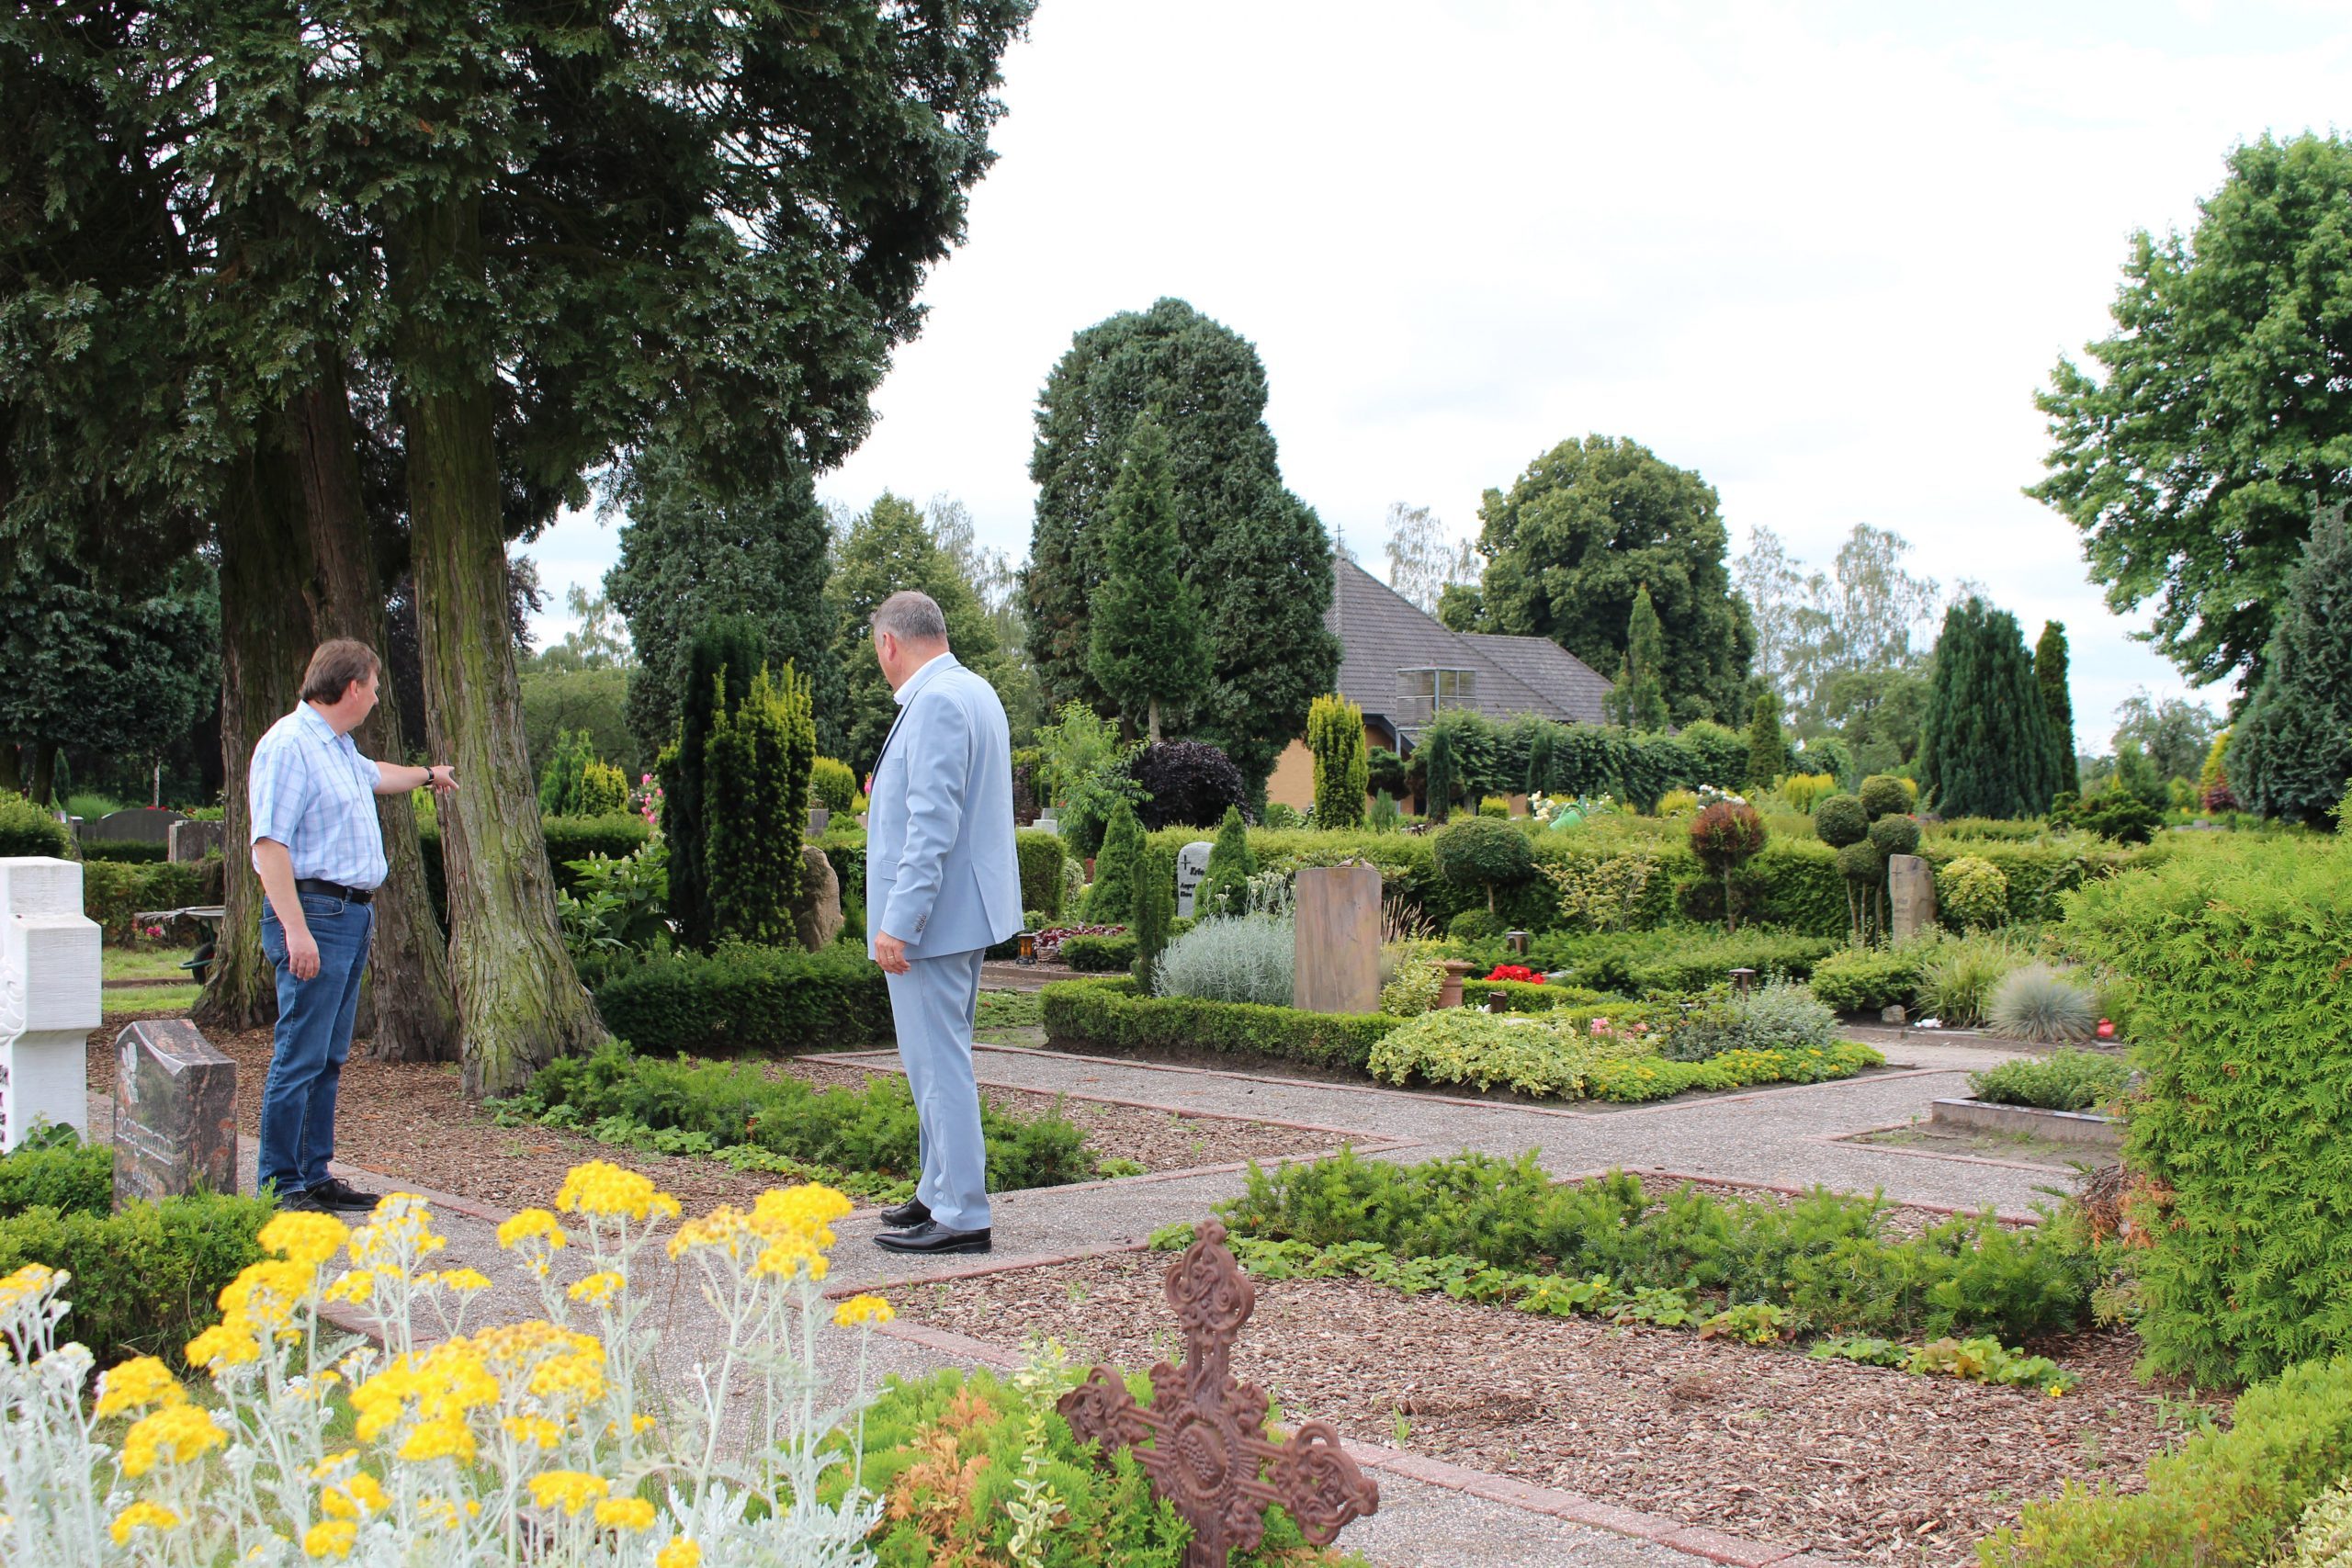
[{"x": 1422, "y": 693}]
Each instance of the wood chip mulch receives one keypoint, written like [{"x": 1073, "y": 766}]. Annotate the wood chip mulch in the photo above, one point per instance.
[
  {"x": 409, "y": 1122},
  {"x": 1845, "y": 1460}
]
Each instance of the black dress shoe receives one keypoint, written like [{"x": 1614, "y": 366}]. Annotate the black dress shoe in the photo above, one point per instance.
[
  {"x": 906, "y": 1215},
  {"x": 339, "y": 1197},
  {"x": 931, "y": 1237}
]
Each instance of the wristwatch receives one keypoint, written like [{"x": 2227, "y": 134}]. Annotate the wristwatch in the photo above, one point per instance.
[{"x": 429, "y": 775}]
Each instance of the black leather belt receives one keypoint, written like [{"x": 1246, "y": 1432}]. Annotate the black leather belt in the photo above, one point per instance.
[{"x": 334, "y": 890}]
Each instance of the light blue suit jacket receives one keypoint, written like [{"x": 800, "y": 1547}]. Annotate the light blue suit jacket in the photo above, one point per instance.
[{"x": 942, "y": 874}]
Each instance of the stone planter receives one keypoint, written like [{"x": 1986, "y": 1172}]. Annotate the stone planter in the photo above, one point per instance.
[
  {"x": 1457, "y": 970},
  {"x": 2082, "y": 1127}
]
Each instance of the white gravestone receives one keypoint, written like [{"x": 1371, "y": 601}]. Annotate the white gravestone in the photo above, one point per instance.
[
  {"x": 1192, "y": 866},
  {"x": 49, "y": 996}
]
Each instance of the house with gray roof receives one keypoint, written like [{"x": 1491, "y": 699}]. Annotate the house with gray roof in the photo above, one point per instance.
[{"x": 1402, "y": 666}]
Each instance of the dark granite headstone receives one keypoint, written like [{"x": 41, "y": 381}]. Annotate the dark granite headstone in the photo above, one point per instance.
[
  {"x": 192, "y": 840},
  {"x": 134, "y": 825},
  {"x": 174, "y": 1113}
]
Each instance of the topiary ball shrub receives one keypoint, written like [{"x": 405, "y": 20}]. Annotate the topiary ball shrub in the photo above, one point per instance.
[
  {"x": 1484, "y": 852},
  {"x": 1896, "y": 835},
  {"x": 1863, "y": 861},
  {"x": 1883, "y": 795},
  {"x": 1973, "y": 893},
  {"x": 2042, "y": 1006},
  {"x": 1839, "y": 820},
  {"x": 1475, "y": 925},
  {"x": 1724, "y": 836},
  {"x": 1190, "y": 783}
]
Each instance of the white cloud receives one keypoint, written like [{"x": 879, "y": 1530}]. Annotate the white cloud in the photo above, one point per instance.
[{"x": 1823, "y": 254}]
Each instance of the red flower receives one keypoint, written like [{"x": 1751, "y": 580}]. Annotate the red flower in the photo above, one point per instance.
[{"x": 1519, "y": 972}]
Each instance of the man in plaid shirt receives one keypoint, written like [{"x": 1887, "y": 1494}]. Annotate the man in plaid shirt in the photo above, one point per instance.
[{"x": 318, "y": 850}]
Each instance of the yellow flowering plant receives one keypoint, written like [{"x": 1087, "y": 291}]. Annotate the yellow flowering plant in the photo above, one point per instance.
[{"x": 543, "y": 1439}]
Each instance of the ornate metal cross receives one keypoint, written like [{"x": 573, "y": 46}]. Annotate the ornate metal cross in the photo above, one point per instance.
[{"x": 1208, "y": 1432}]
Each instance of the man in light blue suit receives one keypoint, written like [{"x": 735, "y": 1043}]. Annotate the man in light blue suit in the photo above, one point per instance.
[{"x": 942, "y": 884}]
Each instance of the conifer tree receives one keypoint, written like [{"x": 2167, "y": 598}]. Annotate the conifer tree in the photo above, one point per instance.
[
  {"x": 1147, "y": 653},
  {"x": 1439, "y": 772},
  {"x": 1343, "y": 770},
  {"x": 1638, "y": 699},
  {"x": 2290, "y": 751},
  {"x": 1225, "y": 889},
  {"x": 1767, "y": 754},
  {"x": 1539, "y": 758},
  {"x": 755, "y": 801},
  {"x": 1112, "y": 901},
  {"x": 1986, "y": 750},
  {"x": 722, "y": 658},
  {"x": 2049, "y": 674},
  {"x": 1155, "y": 912}
]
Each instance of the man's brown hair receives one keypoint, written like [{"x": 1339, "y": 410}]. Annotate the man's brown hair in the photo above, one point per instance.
[{"x": 334, "y": 666}]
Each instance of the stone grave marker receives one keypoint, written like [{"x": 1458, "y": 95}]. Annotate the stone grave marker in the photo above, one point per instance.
[
  {"x": 49, "y": 996},
  {"x": 1911, "y": 897},
  {"x": 1337, "y": 953},
  {"x": 133, "y": 825},
  {"x": 192, "y": 840},
  {"x": 1192, "y": 867},
  {"x": 174, "y": 1113}
]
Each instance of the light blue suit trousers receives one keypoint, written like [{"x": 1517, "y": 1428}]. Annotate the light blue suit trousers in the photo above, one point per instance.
[{"x": 942, "y": 876}]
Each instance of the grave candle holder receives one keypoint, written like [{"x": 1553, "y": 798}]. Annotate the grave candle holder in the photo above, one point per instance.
[{"x": 1028, "y": 948}]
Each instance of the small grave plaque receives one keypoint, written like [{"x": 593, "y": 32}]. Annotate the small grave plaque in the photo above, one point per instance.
[
  {"x": 174, "y": 1113},
  {"x": 1209, "y": 1454},
  {"x": 1338, "y": 967},
  {"x": 1191, "y": 868},
  {"x": 49, "y": 996},
  {"x": 192, "y": 840}
]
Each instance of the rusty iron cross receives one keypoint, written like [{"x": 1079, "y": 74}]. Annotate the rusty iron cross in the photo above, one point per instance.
[{"x": 1209, "y": 1452}]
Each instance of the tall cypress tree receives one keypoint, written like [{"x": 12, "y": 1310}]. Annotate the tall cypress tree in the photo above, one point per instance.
[
  {"x": 2290, "y": 751},
  {"x": 720, "y": 662},
  {"x": 1342, "y": 772},
  {"x": 755, "y": 773},
  {"x": 1147, "y": 654},
  {"x": 1986, "y": 749},
  {"x": 1638, "y": 699},
  {"x": 1256, "y": 554},
  {"x": 2049, "y": 674},
  {"x": 1767, "y": 754}
]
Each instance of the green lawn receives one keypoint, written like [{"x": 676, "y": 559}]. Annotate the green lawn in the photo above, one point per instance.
[
  {"x": 143, "y": 963},
  {"x": 121, "y": 999}
]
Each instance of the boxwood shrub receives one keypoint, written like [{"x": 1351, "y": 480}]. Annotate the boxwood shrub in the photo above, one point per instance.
[
  {"x": 2233, "y": 962},
  {"x": 1099, "y": 955},
  {"x": 145, "y": 1280},
  {"x": 1042, "y": 855},
  {"x": 112, "y": 891},
  {"x": 744, "y": 998},
  {"x": 132, "y": 851},
  {"x": 73, "y": 1178},
  {"x": 1108, "y": 1014},
  {"x": 1676, "y": 959},
  {"x": 1864, "y": 979},
  {"x": 30, "y": 829}
]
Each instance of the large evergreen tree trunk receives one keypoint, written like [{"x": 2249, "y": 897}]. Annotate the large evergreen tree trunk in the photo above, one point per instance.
[
  {"x": 265, "y": 643},
  {"x": 521, "y": 1001},
  {"x": 415, "y": 1008}
]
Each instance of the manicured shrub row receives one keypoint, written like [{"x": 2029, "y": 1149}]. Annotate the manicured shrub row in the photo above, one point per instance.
[
  {"x": 949, "y": 1453},
  {"x": 732, "y": 1104},
  {"x": 1864, "y": 979},
  {"x": 747, "y": 998},
  {"x": 1107, "y": 1014},
  {"x": 2065, "y": 1080},
  {"x": 1823, "y": 1258},
  {"x": 126, "y": 851},
  {"x": 147, "y": 1280},
  {"x": 2223, "y": 1496},
  {"x": 1676, "y": 959},
  {"x": 1603, "y": 1051},
  {"x": 1518, "y": 996},
  {"x": 1099, "y": 955},
  {"x": 2233, "y": 964},
  {"x": 112, "y": 891},
  {"x": 1792, "y": 883}
]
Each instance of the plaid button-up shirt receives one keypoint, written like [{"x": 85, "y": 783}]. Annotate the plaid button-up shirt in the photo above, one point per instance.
[{"x": 311, "y": 791}]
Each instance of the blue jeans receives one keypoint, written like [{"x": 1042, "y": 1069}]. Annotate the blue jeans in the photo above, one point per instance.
[{"x": 313, "y": 1037}]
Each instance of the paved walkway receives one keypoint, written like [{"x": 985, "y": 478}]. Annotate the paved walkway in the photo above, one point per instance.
[{"x": 1787, "y": 1135}]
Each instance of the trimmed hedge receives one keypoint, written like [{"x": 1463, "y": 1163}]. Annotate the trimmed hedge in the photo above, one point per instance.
[
  {"x": 1864, "y": 979},
  {"x": 114, "y": 890},
  {"x": 2223, "y": 1497},
  {"x": 1042, "y": 855},
  {"x": 128, "y": 850},
  {"x": 742, "y": 998},
  {"x": 1688, "y": 959},
  {"x": 145, "y": 1280},
  {"x": 2233, "y": 963},
  {"x": 1099, "y": 955},
  {"x": 1793, "y": 883},
  {"x": 1108, "y": 1014}
]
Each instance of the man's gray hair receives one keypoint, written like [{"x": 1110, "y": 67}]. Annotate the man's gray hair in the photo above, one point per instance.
[{"x": 911, "y": 617}]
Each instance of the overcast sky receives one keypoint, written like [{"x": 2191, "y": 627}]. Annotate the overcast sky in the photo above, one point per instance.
[{"x": 1822, "y": 253}]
